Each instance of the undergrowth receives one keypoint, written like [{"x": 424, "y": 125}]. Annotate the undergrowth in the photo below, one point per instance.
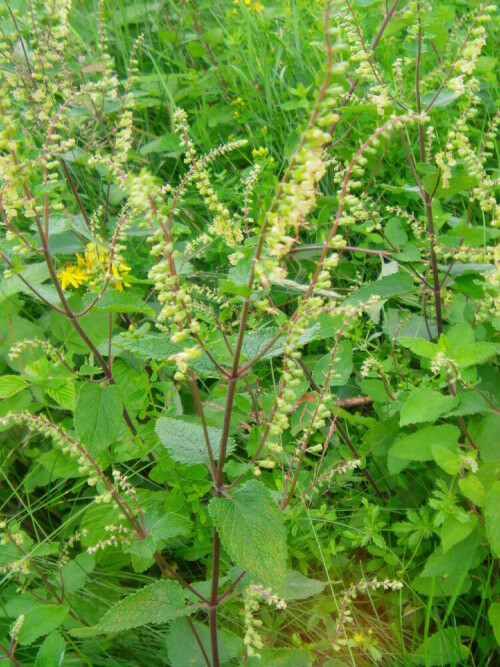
[{"x": 249, "y": 393}]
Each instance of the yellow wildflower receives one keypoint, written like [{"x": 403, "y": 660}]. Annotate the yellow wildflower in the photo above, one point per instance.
[
  {"x": 95, "y": 257},
  {"x": 92, "y": 267},
  {"x": 257, "y": 7},
  {"x": 118, "y": 274},
  {"x": 71, "y": 275}
]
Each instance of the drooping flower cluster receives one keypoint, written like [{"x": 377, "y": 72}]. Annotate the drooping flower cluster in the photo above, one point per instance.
[
  {"x": 61, "y": 440},
  {"x": 254, "y": 596}
]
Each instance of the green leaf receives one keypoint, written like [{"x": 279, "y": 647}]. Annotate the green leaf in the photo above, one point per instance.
[
  {"x": 426, "y": 405},
  {"x": 51, "y": 651},
  {"x": 472, "y": 489},
  {"x": 443, "y": 99},
  {"x": 169, "y": 526},
  {"x": 281, "y": 657},
  {"x": 446, "y": 458},
  {"x": 114, "y": 301},
  {"x": 487, "y": 439},
  {"x": 159, "y": 347},
  {"x": 75, "y": 572},
  {"x": 341, "y": 367},
  {"x": 441, "y": 649},
  {"x": 141, "y": 548},
  {"x": 183, "y": 649},
  {"x": 420, "y": 346},
  {"x": 157, "y": 603},
  {"x": 296, "y": 587},
  {"x": 386, "y": 287},
  {"x": 252, "y": 532},
  {"x": 41, "y": 621},
  {"x": 98, "y": 416},
  {"x": 168, "y": 144},
  {"x": 299, "y": 587},
  {"x": 395, "y": 233},
  {"x": 454, "y": 531},
  {"x": 11, "y": 385},
  {"x": 185, "y": 441},
  {"x": 255, "y": 341},
  {"x": 473, "y": 354},
  {"x": 418, "y": 446},
  {"x": 492, "y": 518},
  {"x": 494, "y": 618},
  {"x": 64, "y": 395},
  {"x": 459, "y": 559}
]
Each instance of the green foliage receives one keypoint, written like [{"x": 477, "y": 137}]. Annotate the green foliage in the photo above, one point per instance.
[
  {"x": 249, "y": 333},
  {"x": 185, "y": 441},
  {"x": 157, "y": 603},
  {"x": 252, "y": 531},
  {"x": 98, "y": 416}
]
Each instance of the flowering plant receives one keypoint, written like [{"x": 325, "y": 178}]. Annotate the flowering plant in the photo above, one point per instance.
[{"x": 233, "y": 358}]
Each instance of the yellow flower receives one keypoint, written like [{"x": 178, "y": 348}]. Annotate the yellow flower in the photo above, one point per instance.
[
  {"x": 257, "y": 7},
  {"x": 95, "y": 257},
  {"x": 118, "y": 274},
  {"x": 94, "y": 266},
  {"x": 71, "y": 275}
]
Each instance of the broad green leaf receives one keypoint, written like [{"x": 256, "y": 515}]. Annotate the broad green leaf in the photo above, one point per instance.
[
  {"x": 183, "y": 649},
  {"x": 443, "y": 99},
  {"x": 418, "y": 445},
  {"x": 299, "y": 587},
  {"x": 157, "y": 603},
  {"x": 487, "y": 438},
  {"x": 341, "y": 367},
  {"x": 35, "y": 274},
  {"x": 472, "y": 489},
  {"x": 168, "y": 145},
  {"x": 141, "y": 548},
  {"x": 11, "y": 385},
  {"x": 186, "y": 443},
  {"x": 41, "y": 621},
  {"x": 405, "y": 324},
  {"x": 255, "y": 341},
  {"x": 282, "y": 657},
  {"x": 454, "y": 531},
  {"x": 426, "y": 405},
  {"x": 98, "y": 415},
  {"x": 395, "y": 233},
  {"x": 64, "y": 395},
  {"x": 494, "y": 618},
  {"x": 169, "y": 526},
  {"x": 441, "y": 586},
  {"x": 51, "y": 651},
  {"x": 75, "y": 572},
  {"x": 447, "y": 459},
  {"x": 296, "y": 587},
  {"x": 158, "y": 347},
  {"x": 375, "y": 389},
  {"x": 492, "y": 518},
  {"x": 441, "y": 649},
  {"x": 420, "y": 346},
  {"x": 386, "y": 287},
  {"x": 473, "y": 354},
  {"x": 251, "y": 530},
  {"x": 114, "y": 301},
  {"x": 458, "y": 560}
]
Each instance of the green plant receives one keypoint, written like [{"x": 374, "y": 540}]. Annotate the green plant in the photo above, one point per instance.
[{"x": 249, "y": 376}]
